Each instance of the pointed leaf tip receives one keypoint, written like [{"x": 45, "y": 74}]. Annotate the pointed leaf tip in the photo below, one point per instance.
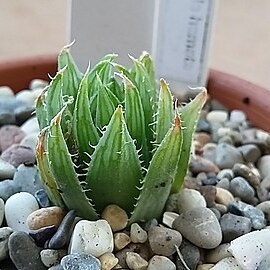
[
  {"x": 40, "y": 148},
  {"x": 163, "y": 84},
  {"x": 177, "y": 121}
]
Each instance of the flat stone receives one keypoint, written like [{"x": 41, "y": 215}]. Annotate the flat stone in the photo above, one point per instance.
[
  {"x": 135, "y": 261},
  {"x": 223, "y": 196},
  {"x": 24, "y": 253},
  {"x": 80, "y": 262},
  {"x": 5, "y": 233},
  {"x": 116, "y": 217},
  {"x": 217, "y": 254},
  {"x": 45, "y": 217},
  {"x": 200, "y": 226},
  {"x": 163, "y": 240},
  {"x": 254, "y": 214},
  {"x": 227, "y": 155},
  {"x": 250, "y": 152},
  {"x": 17, "y": 208},
  {"x": 108, "y": 261},
  {"x": 161, "y": 263},
  {"x": 92, "y": 237},
  {"x": 137, "y": 233},
  {"x": 121, "y": 240},
  {"x": 17, "y": 154},
  {"x": 233, "y": 226}
]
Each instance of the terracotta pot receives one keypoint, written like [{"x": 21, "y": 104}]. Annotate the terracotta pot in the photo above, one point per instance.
[{"x": 233, "y": 92}]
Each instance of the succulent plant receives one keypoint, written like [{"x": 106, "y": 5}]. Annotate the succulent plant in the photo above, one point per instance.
[{"x": 108, "y": 137}]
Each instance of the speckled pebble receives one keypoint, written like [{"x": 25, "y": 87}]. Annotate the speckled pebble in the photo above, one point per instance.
[
  {"x": 137, "y": 233},
  {"x": 135, "y": 261},
  {"x": 50, "y": 257}
]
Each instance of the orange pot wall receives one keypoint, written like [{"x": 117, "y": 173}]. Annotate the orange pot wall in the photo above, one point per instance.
[{"x": 231, "y": 91}]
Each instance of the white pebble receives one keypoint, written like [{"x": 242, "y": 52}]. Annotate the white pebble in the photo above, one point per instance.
[
  {"x": 168, "y": 218},
  {"x": 6, "y": 91},
  {"x": 137, "y": 233},
  {"x": 161, "y": 263},
  {"x": 228, "y": 263},
  {"x": 49, "y": 257},
  {"x": 37, "y": 83},
  {"x": 30, "y": 140},
  {"x": 26, "y": 96},
  {"x": 18, "y": 207},
  {"x": 30, "y": 126},
  {"x": 92, "y": 237},
  {"x": 237, "y": 116},
  {"x": 135, "y": 261},
  {"x": 217, "y": 116}
]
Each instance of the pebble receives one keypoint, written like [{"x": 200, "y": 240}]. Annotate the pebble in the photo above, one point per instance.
[
  {"x": 223, "y": 196},
  {"x": 137, "y": 234},
  {"x": 6, "y": 170},
  {"x": 9, "y": 135},
  {"x": 50, "y": 257},
  {"x": 116, "y": 217},
  {"x": 30, "y": 140},
  {"x": 121, "y": 240},
  {"x": 233, "y": 226},
  {"x": 7, "y": 189},
  {"x": 234, "y": 137},
  {"x": 5, "y": 233},
  {"x": 227, "y": 155},
  {"x": 163, "y": 240},
  {"x": 238, "y": 116},
  {"x": 7, "y": 117},
  {"x": 265, "y": 183},
  {"x": 202, "y": 137},
  {"x": 225, "y": 173},
  {"x": 240, "y": 188},
  {"x": 17, "y": 208},
  {"x": 191, "y": 255},
  {"x": 217, "y": 254},
  {"x": 108, "y": 261},
  {"x": 2, "y": 210},
  {"x": 26, "y": 96},
  {"x": 171, "y": 204},
  {"x": 23, "y": 113},
  {"x": 264, "y": 264},
  {"x": 265, "y": 207},
  {"x": 18, "y": 154},
  {"x": 264, "y": 165},
  {"x": 199, "y": 164},
  {"x": 217, "y": 116},
  {"x": 135, "y": 261},
  {"x": 42, "y": 235},
  {"x": 80, "y": 262},
  {"x": 250, "y": 152},
  {"x": 42, "y": 198},
  {"x": 62, "y": 235},
  {"x": 209, "y": 151},
  {"x": 200, "y": 226},
  {"x": 6, "y": 91},
  {"x": 30, "y": 126},
  {"x": 254, "y": 214},
  {"x": 216, "y": 212},
  {"x": 37, "y": 83},
  {"x": 228, "y": 263},
  {"x": 168, "y": 218},
  {"x": 92, "y": 237},
  {"x": 56, "y": 267},
  {"x": 189, "y": 199},
  {"x": 205, "y": 266},
  {"x": 161, "y": 263},
  {"x": 45, "y": 217},
  {"x": 203, "y": 126},
  {"x": 224, "y": 183},
  {"x": 24, "y": 253}
]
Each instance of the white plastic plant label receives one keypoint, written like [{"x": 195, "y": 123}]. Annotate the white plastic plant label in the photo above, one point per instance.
[{"x": 176, "y": 33}]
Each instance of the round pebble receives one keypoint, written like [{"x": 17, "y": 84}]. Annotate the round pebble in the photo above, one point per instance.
[
  {"x": 250, "y": 152},
  {"x": 223, "y": 196},
  {"x": 30, "y": 140},
  {"x": 217, "y": 116},
  {"x": 49, "y": 257},
  {"x": 200, "y": 164},
  {"x": 6, "y": 91},
  {"x": 237, "y": 116}
]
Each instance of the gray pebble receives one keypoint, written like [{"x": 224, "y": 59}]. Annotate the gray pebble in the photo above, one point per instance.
[
  {"x": 24, "y": 253},
  {"x": 216, "y": 212},
  {"x": 209, "y": 151},
  {"x": 226, "y": 139},
  {"x": 52, "y": 257},
  {"x": 56, "y": 267},
  {"x": 153, "y": 222},
  {"x": 6, "y": 170},
  {"x": 233, "y": 226},
  {"x": 256, "y": 215},
  {"x": 7, "y": 117},
  {"x": 199, "y": 164},
  {"x": 5, "y": 233},
  {"x": 250, "y": 152},
  {"x": 42, "y": 198},
  {"x": 240, "y": 188},
  {"x": 7, "y": 189},
  {"x": 224, "y": 183},
  {"x": 23, "y": 113},
  {"x": 227, "y": 155},
  {"x": 19, "y": 154},
  {"x": 191, "y": 255},
  {"x": 225, "y": 173},
  {"x": 200, "y": 226},
  {"x": 203, "y": 126},
  {"x": 80, "y": 262},
  {"x": 62, "y": 235},
  {"x": 163, "y": 240}
]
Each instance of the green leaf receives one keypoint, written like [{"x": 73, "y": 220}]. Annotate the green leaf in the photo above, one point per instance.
[
  {"x": 46, "y": 176},
  {"x": 165, "y": 111},
  {"x": 41, "y": 112},
  {"x": 160, "y": 175},
  {"x": 134, "y": 116},
  {"x": 64, "y": 173},
  {"x": 114, "y": 171},
  {"x": 116, "y": 89},
  {"x": 84, "y": 129},
  {"x": 189, "y": 115},
  {"x": 105, "y": 106}
]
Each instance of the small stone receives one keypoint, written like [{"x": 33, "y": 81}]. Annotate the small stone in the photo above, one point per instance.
[
  {"x": 203, "y": 126},
  {"x": 225, "y": 173},
  {"x": 23, "y": 113},
  {"x": 205, "y": 266},
  {"x": 240, "y": 188},
  {"x": 202, "y": 137},
  {"x": 42, "y": 235},
  {"x": 266, "y": 182},
  {"x": 161, "y": 263},
  {"x": 30, "y": 126},
  {"x": 135, "y": 261},
  {"x": 265, "y": 264},
  {"x": 234, "y": 137},
  {"x": 210, "y": 181},
  {"x": 6, "y": 91},
  {"x": 209, "y": 152},
  {"x": 62, "y": 235},
  {"x": 224, "y": 183},
  {"x": 168, "y": 218},
  {"x": 121, "y": 240},
  {"x": 116, "y": 217},
  {"x": 5, "y": 233},
  {"x": 163, "y": 240},
  {"x": 250, "y": 152},
  {"x": 18, "y": 154},
  {"x": 228, "y": 263},
  {"x": 189, "y": 199},
  {"x": 137, "y": 234},
  {"x": 6, "y": 170},
  {"x": 92, "y": 237},
  {"x": 217, "y": 116},
  {"x": 45, "y": 217},
  {"x": 233, "y": 226},
  {"x": 216, "y": 212},
  {"x": 223, "y": 196},
  {"x": 80, "y": 262},
  {"x": 42, "y": 198},
  {"x": 262, "y": 194},
  {"x": 191, "y": 255},
  {"x": 37, "y": 83},
  {"x": 108, "y": 261},
  {"x": 254, "y": 214},
  {"x": 199, "y": 164},
  {"x": 18, "y": 207},
  {"x": 217, "y": 254},
  {"x": 24, "y": 253},
  {"x": 2, "y": 211},
  {"x": 7, "y": 189},
  {"x": 49, "y": 257},
  {"x": 56, "y": 267},
  {"x": 227, "y": 155},
  {"x": 209, "y": 193},
  {"x": 25, "y": 96},
  {"x": 171, "y": 204},
  {"x": 264, "y": 165},
  {"x": 221, "y": 208},
  {"x": 30, "y": 140},
  {"x": 265, "y": 207},
  {"x": 200, "y": 226},
  {"x": 237, "y": 116}
]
